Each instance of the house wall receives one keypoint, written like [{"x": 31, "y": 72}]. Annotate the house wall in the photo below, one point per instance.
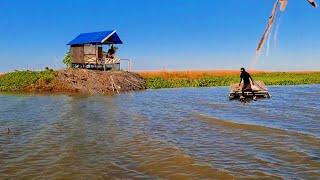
[
  {"x": 77, "y": 54},
  {"x": 86, "y": 54}
]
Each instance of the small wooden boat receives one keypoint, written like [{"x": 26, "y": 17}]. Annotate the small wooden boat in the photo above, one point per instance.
[{"x": 259, "y": 88}]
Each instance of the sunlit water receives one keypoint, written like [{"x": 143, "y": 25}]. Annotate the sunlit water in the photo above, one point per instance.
[{"x": 170, "y": 133}]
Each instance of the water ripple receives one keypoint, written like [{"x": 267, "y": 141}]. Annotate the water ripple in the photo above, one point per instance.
[{"x": 170, "y": 133}]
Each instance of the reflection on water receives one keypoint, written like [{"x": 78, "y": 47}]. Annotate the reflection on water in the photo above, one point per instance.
[{"x": 171, "y": 133}]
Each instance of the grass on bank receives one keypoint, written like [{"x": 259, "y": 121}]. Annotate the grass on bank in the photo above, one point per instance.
[
  {"x": 19, "y": 80},
  {"x": 176, "y": 79}
]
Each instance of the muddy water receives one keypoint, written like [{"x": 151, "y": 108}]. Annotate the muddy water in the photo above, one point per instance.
[{"x": 171, "y": 133}]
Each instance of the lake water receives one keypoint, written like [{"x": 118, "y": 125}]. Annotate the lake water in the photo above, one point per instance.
[{"x": 168, "y": 133}]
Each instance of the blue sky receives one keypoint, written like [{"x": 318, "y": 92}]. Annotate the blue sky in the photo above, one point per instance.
[{"x": 161, "y": 34}]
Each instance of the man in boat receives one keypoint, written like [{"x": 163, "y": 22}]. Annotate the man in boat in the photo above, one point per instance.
[{"x": 246, "y": 77}]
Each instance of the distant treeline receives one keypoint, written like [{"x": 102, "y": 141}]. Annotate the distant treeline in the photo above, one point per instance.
[{"x": 177, "y": 79}]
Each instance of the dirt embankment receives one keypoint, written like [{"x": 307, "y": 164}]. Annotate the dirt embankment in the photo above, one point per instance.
[{"x": 91, "y": 82}]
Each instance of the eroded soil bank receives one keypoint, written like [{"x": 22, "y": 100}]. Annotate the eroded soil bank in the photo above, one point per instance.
[{"x": 72, "y": 81}]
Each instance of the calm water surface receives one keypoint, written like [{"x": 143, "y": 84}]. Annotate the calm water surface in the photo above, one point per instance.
[{"x": 170, "y": 133}]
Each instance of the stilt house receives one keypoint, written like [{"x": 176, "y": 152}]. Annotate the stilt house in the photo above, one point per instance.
[{"x": 87, "y": 50}]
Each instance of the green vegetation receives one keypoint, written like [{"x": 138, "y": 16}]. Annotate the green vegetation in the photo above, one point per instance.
[
  {"x": 19, "y": 80},
  {"x": 276, "y": 78},
  {"x": 67, "y": 60},
  {"x": 287, "y": 78},
  {"x": 24, "y": 80}
]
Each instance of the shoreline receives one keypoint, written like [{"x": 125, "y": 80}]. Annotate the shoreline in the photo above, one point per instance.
[
  {"x": 165, "y": 79},
  {"x": 79, "y": 94},
  {"x": 88, "y": 82},
  {"x": 71, "y": 81}
]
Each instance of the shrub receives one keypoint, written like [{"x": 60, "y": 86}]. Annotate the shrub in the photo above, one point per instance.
[
  {"x": 67, "y": 60},
  {"x": 18, "y": 80}
]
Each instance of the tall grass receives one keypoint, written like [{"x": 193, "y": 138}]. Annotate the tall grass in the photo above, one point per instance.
[
  {"x": 187, "y": 74},
  {"x": 176, "y": 79},
  {"x": 19, "y": 80}
]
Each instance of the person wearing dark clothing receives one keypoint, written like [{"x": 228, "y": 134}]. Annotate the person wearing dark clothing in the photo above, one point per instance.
[
  {"x": 111, "y": 52},
  {"x": 246, "y": 77}
]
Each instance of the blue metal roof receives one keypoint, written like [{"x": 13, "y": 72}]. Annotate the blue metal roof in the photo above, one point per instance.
[{"x": 102, "y": 37}]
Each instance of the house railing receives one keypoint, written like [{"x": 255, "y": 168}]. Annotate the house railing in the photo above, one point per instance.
[
  {"x": 128, "y": 65},
  {"x": 104, "y": 64}
]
